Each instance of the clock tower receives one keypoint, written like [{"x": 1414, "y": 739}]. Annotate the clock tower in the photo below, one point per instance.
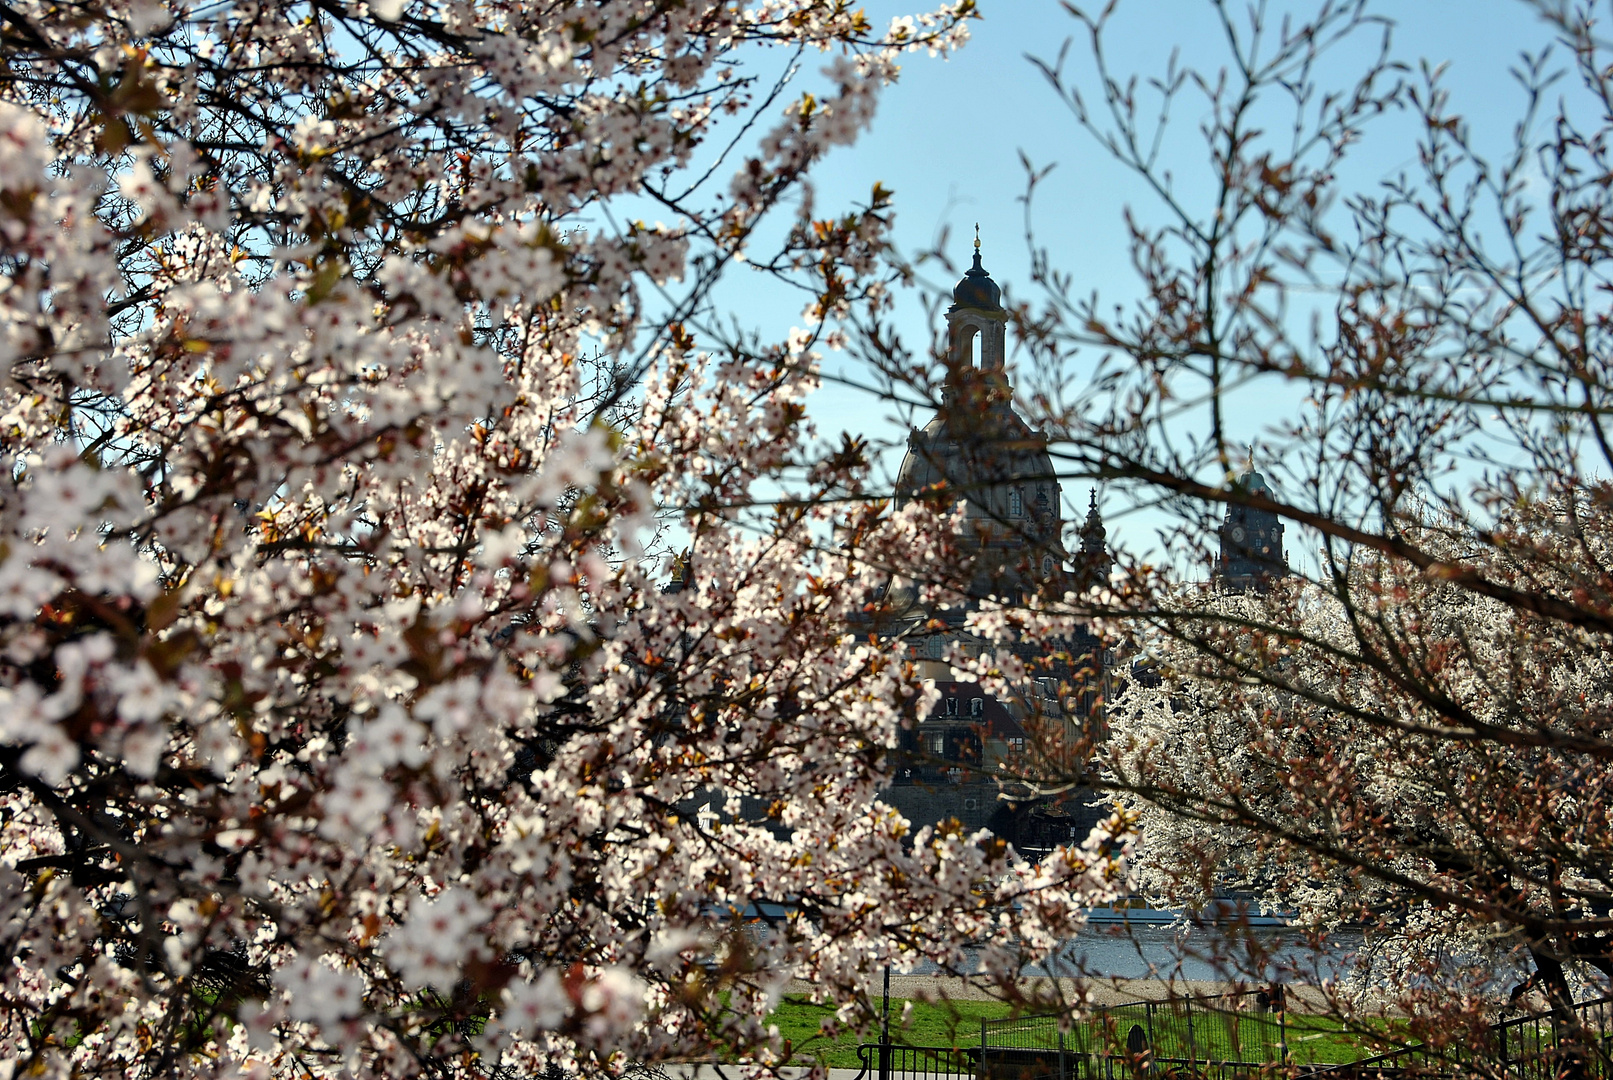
[{"x": 1252, "y": 554}]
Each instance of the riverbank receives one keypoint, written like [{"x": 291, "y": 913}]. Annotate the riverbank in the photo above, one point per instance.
[{"x": 1099, "y": 992}]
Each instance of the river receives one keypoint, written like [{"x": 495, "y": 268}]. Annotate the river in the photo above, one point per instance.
[{"x": 1164, "y": 951}]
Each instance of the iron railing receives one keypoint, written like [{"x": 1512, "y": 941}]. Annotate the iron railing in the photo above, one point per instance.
[
  {"x": 1230, "y": 1037},
  {"x": 1227, "y": 1035},
  {"x": 1240, "y": 1037},
  {"x": 887, "y": 1061},
  {"x": 1566, "y": 1043},
  {"x": 1575, "y": 1043}
]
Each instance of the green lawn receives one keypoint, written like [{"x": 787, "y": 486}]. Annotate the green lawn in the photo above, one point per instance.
[
  {"x": 1247, "y": 1037},
  {"x": 945, "y": 1024}
]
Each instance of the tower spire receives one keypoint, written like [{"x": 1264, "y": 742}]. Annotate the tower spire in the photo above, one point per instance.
[
  {"x": 1093, "y": 534},
  {"x": 1095, "y": 559}
]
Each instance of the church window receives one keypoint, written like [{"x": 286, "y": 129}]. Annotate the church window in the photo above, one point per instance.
[
  {"x": 933, "y": 647},
  {"x": 952, "y": 706},
  {"x": 968, "y": 339},
  {"x": 1016, "y": 503},
  {"x": 977, "y": 706},
  {"x": 1047, "y": 566}
]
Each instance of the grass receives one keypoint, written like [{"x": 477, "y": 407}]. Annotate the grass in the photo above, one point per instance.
[
  {"x": 1248, "y": 1037},
  {"x": 955, "y": 1023}
]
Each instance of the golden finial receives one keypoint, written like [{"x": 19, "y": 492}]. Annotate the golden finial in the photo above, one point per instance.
[{"x": 977, "y": 236}]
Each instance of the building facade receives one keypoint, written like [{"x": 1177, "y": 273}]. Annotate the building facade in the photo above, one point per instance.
[
  {"x": 1251, "y": 541},
  {"x": 974, "y": 757}
]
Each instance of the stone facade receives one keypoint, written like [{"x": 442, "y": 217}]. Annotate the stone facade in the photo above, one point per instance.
[
  {"x": 1251, "y": 555},
  {"x": 980, "y": 452}
]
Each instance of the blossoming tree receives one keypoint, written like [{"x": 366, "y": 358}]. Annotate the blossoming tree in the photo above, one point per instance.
[
  {"x": 1409, "y": 729},
  {"x": 1398, "y": 757},
  {"x": 345, "y": 728}
]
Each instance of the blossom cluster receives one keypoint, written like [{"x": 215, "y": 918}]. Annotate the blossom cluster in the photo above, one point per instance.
[{"x": 345, "y": 727}]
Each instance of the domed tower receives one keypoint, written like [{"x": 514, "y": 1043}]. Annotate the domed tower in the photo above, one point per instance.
[
  {"x": 1252, "y": 555},
  {"x": 976, "y": 322},
  {"x": 978, "y": 450}
]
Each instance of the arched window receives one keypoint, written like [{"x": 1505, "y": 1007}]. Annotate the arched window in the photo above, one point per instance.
[
  {"x": 968, "y": 346},
  {"x": 1047, "y": 566},
  {"x": 977, "y": 706},
  {"x": 1016, "y": 502}
]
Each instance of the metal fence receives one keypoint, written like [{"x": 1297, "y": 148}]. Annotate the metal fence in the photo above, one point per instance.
[
  {"x": 1228, "y": 1035},
  {"x": 1242, "y": 1037},
  {"x": 1575, "y": 1043},
  {"x": 887, "y": 1061},
  {"x": 1569, "y": 1044}
]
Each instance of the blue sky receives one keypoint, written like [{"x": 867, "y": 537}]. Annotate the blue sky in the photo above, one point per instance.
[{"x": 949, "y": 136}]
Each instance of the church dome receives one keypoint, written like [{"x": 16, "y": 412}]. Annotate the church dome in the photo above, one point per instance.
[
  {"x": 980, "y": 456},
  {"x": 995, "y": 461},
  {"x": 1252, "y": 481},
  {"x": 976, "y": 289},
  {"x": 978, "y": 447}
]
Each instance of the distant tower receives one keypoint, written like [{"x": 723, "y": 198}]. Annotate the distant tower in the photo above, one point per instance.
[
  {"x": 978, "y": 455},
  {"x": 1094, "y": 562},
  {"x": 976, "y": 322},
  {"x": 978, "y": 451},
  {"x": 1252, "y": 555}
]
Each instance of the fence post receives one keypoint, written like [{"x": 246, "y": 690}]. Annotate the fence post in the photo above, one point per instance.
[
  {"x": 885, "y": 1031},
  {"x": 1152, "y": 1043},
  {"x": 1192, "y": 1046},
  {"x": 1282, "y": 1030},
  {"x": 985, "y": 1073},
  {"x": 1063, "y": 1073}
]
